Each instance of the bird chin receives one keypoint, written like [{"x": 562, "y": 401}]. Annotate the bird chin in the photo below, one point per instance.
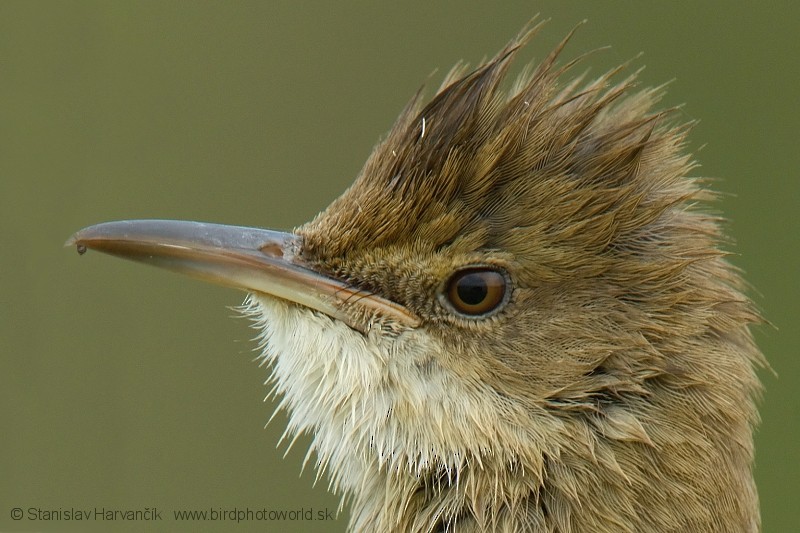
[
  {"x": 375, "y": 403},
  {"x": 327, "y": 378}
]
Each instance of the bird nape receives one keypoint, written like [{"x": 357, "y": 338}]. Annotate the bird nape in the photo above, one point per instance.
[{"x": 517, "y": 318}]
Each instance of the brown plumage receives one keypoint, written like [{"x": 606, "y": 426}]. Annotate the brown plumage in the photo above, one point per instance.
[
  {"x": 610, "y": 388},
  {"x": 620, "y": 375}
]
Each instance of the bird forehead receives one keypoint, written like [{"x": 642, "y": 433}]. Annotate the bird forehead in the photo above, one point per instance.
[{"x": 370, "y": 220}]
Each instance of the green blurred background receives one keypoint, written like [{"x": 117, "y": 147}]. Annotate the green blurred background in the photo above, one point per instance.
[{"x": 129, "y": 387}]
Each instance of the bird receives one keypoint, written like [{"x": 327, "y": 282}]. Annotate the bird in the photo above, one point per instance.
[{"x": 519, "y": 317}]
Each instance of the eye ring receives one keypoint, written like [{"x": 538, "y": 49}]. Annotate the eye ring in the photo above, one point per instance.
[{"x": 476, "y": 292}]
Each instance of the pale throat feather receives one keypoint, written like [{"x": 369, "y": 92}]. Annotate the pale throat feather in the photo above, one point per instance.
[{"x": 377, "y": 407}]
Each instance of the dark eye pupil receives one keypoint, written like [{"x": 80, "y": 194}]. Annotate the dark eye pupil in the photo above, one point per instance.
[
  {"x": 472, "y": 289},
  {"x": 475, "y": 291}
]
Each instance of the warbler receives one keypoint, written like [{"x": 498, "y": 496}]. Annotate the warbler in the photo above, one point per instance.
[{"x": 519, "y": 317}]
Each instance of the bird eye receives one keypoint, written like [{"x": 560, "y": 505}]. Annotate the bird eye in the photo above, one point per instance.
[{"x": 476, "y": 291}]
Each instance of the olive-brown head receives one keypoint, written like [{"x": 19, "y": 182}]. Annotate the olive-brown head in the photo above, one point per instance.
[{"x": 517, "y": 318}]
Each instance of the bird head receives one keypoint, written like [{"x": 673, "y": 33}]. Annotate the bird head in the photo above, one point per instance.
[{"x": 516, "y": 315}]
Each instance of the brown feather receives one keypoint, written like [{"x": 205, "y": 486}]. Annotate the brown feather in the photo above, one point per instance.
[{"x": 615, "y": 391}]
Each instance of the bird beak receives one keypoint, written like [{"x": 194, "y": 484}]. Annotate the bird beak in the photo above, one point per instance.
[{"x": 252, "y": 259}]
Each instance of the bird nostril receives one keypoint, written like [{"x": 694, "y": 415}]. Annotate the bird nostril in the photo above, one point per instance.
[{"x": 272, "y": 249}]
